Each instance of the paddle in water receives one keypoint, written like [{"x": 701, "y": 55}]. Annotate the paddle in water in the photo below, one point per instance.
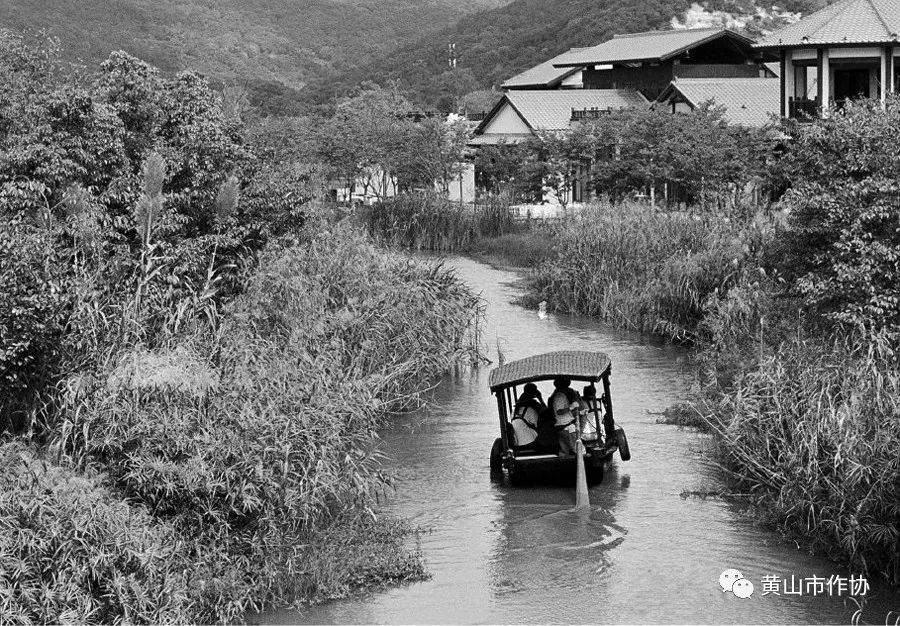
[{"x": 582, "y": 500}]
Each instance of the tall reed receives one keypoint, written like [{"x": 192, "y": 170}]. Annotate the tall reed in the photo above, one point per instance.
[
  {"x": 812, "y": 434},
  {"x": 646, "y": 270},
  {"x": 424, "y": 221}
]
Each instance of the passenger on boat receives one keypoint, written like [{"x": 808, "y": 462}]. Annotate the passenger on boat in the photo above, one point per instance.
[
  {"x": 593, "y": 403},
  {"x": 526, "y": 416},
  {"x": 566, "y": 406}
]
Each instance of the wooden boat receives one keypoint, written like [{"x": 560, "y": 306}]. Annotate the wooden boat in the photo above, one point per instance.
[{"x": 599, "y": 435}]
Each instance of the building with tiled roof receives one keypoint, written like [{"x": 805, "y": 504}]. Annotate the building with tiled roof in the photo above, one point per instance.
[
  {"x": 747, "y": 101},
  {"x": 547, "y": 76},
  {"x": 846, "y": 50},
  {"x": 521, "y": 113},
  {"x": 649, "y": 61}
]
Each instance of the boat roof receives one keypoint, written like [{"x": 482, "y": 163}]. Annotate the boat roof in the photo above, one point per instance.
[{"x": 572, "y": 364}]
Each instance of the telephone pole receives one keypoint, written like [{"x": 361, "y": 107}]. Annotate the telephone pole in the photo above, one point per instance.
[{"x": 451, "y": 61}]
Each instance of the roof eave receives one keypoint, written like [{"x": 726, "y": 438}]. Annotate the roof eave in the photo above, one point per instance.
[
  {"x": 812, "y": 45},
  {"x": 710, "y": 37}
]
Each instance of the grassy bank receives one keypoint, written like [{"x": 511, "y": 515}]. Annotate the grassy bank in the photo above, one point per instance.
[
  {"x": 647, "y": 270},
  {"x": 235, "y": 446},
  {"x": 805, "y": 417},
  {"x": 812, "y": 434},
  {"x": 487, "y": 230}
]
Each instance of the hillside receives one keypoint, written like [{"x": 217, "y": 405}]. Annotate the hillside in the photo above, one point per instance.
[
  {"x": 275, "y": 46},
  {"x": 495, "y": 44}
]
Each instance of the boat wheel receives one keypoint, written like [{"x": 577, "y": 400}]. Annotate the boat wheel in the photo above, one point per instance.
[
  {"x": 622, "y": 443},
  {"x": 497, "y": 456}
]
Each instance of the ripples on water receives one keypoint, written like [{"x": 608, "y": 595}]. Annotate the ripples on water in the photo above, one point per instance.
[{"x": 642, "y": 554}]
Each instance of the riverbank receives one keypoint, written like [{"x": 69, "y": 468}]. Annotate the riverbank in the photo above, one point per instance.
[
  {"x": 722, "y": 286},
  {"x": 233, "y": 459}
]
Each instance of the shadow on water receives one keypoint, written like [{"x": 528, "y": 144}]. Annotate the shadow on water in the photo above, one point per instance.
[{"x": 641, "y": 554}]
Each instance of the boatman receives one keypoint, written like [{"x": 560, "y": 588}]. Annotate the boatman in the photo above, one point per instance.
[
  {"x": 526, "y": 416},
  {"x": 565, "y": 404}
]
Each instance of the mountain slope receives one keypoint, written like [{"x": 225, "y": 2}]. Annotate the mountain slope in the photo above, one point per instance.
[
  {"x": 493, "y": 45},
  {"x": 276, "y": 42}
]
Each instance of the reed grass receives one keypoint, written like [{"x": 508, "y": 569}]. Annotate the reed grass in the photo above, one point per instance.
[
  {"x": 812, "y": 433},
  {"x": 647, "y": 270},
  {"x": 424, "y": 221}
]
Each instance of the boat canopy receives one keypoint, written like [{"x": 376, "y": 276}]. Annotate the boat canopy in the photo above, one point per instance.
[{"x": 571, "y": 364}]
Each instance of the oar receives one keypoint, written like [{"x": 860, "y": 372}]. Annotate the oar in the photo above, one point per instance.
[{"x": 582, "y": 500}]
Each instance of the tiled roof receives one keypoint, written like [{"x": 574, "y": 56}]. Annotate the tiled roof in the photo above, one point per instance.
[
  {"x": 657, "y": 45},
  {"x": 552, "y": 109},
  {"x": 846, "y": 21},
  {"x": 747, "y": 101},
  {"x": 543, "y": 75}
]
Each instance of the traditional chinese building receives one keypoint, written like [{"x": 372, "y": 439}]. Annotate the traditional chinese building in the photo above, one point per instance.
[
  {"x": 648, "y": 62},
  {"x": 846, "y": 50},
  {"x": 747, "y": 101}
]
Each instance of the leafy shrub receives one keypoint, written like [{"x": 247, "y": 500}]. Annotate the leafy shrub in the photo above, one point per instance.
[
  {"x": 843, "y": 250},
  {"x": 31, "y": 309},
  {"x": 72, "y": 552},
  {"x": 251, "y": 436}
]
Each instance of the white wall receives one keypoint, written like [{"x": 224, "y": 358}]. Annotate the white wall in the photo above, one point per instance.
[
  {"x": 463, "y": 188},
  {"x": 507, "y": 121}
]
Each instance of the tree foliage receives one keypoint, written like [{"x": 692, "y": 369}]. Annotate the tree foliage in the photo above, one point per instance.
[
  {"x": 844, "y": 242},
  {"x": 377, "y": 136}
]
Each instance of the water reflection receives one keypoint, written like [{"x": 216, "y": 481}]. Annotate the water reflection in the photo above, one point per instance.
[{"x": 642, "y": 554}]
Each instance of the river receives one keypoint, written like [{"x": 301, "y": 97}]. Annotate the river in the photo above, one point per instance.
[{"x": 650, "y": 550}]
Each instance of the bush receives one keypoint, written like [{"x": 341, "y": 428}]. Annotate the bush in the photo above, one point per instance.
[
  {"x": 842, "y": 248},
  {"x": 72, "y": 552},
  {"x": 250, "y": 436},
  {"x": 31, "y": 312}
]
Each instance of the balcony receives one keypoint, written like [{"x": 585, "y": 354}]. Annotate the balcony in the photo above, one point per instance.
[{"x": 588, "y": 114}]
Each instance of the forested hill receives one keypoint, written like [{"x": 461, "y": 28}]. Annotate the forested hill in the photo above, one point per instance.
[
  {"x": 274, "y": 46},
  {"x": 496, "y": 44}
]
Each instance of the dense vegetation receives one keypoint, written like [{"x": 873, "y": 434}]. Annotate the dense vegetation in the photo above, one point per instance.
[
  {"x": 795, "y": 314},
  {"x": 274, "y": 47},
  {"x": 639, "y": 151},
  {"x": 194, "y": 357}
]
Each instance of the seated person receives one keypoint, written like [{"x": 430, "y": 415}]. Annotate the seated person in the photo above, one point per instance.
[
  {"x": 526, "y": 417},
  {"x": 592, "y": 402},
  {"x": 566, "y": 406},
  {"x": 588, "y": 418}
]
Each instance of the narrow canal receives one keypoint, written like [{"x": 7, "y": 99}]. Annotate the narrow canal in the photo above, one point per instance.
[{"x": 648, "y": 551}]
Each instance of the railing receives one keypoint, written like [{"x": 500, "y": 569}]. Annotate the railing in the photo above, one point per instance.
[
  {"x": 717, "y": 70},
  {"x": 803, "y": 108},
  {"x": 476, "y": 117},
  {"x": 588, "y": 114}
]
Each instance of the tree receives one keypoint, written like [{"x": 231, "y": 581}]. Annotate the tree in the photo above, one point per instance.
[
  {"x": 843, "y": 247},
  {"x": 361, "y": 139}
]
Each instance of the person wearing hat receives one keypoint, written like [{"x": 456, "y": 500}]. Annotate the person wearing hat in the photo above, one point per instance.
[
  {"x": 526, "y": 417},
  {"x": 565, "y": 404}
]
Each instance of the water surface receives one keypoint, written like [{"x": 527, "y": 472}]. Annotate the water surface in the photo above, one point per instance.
[{"x": 647, "y": 552}]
